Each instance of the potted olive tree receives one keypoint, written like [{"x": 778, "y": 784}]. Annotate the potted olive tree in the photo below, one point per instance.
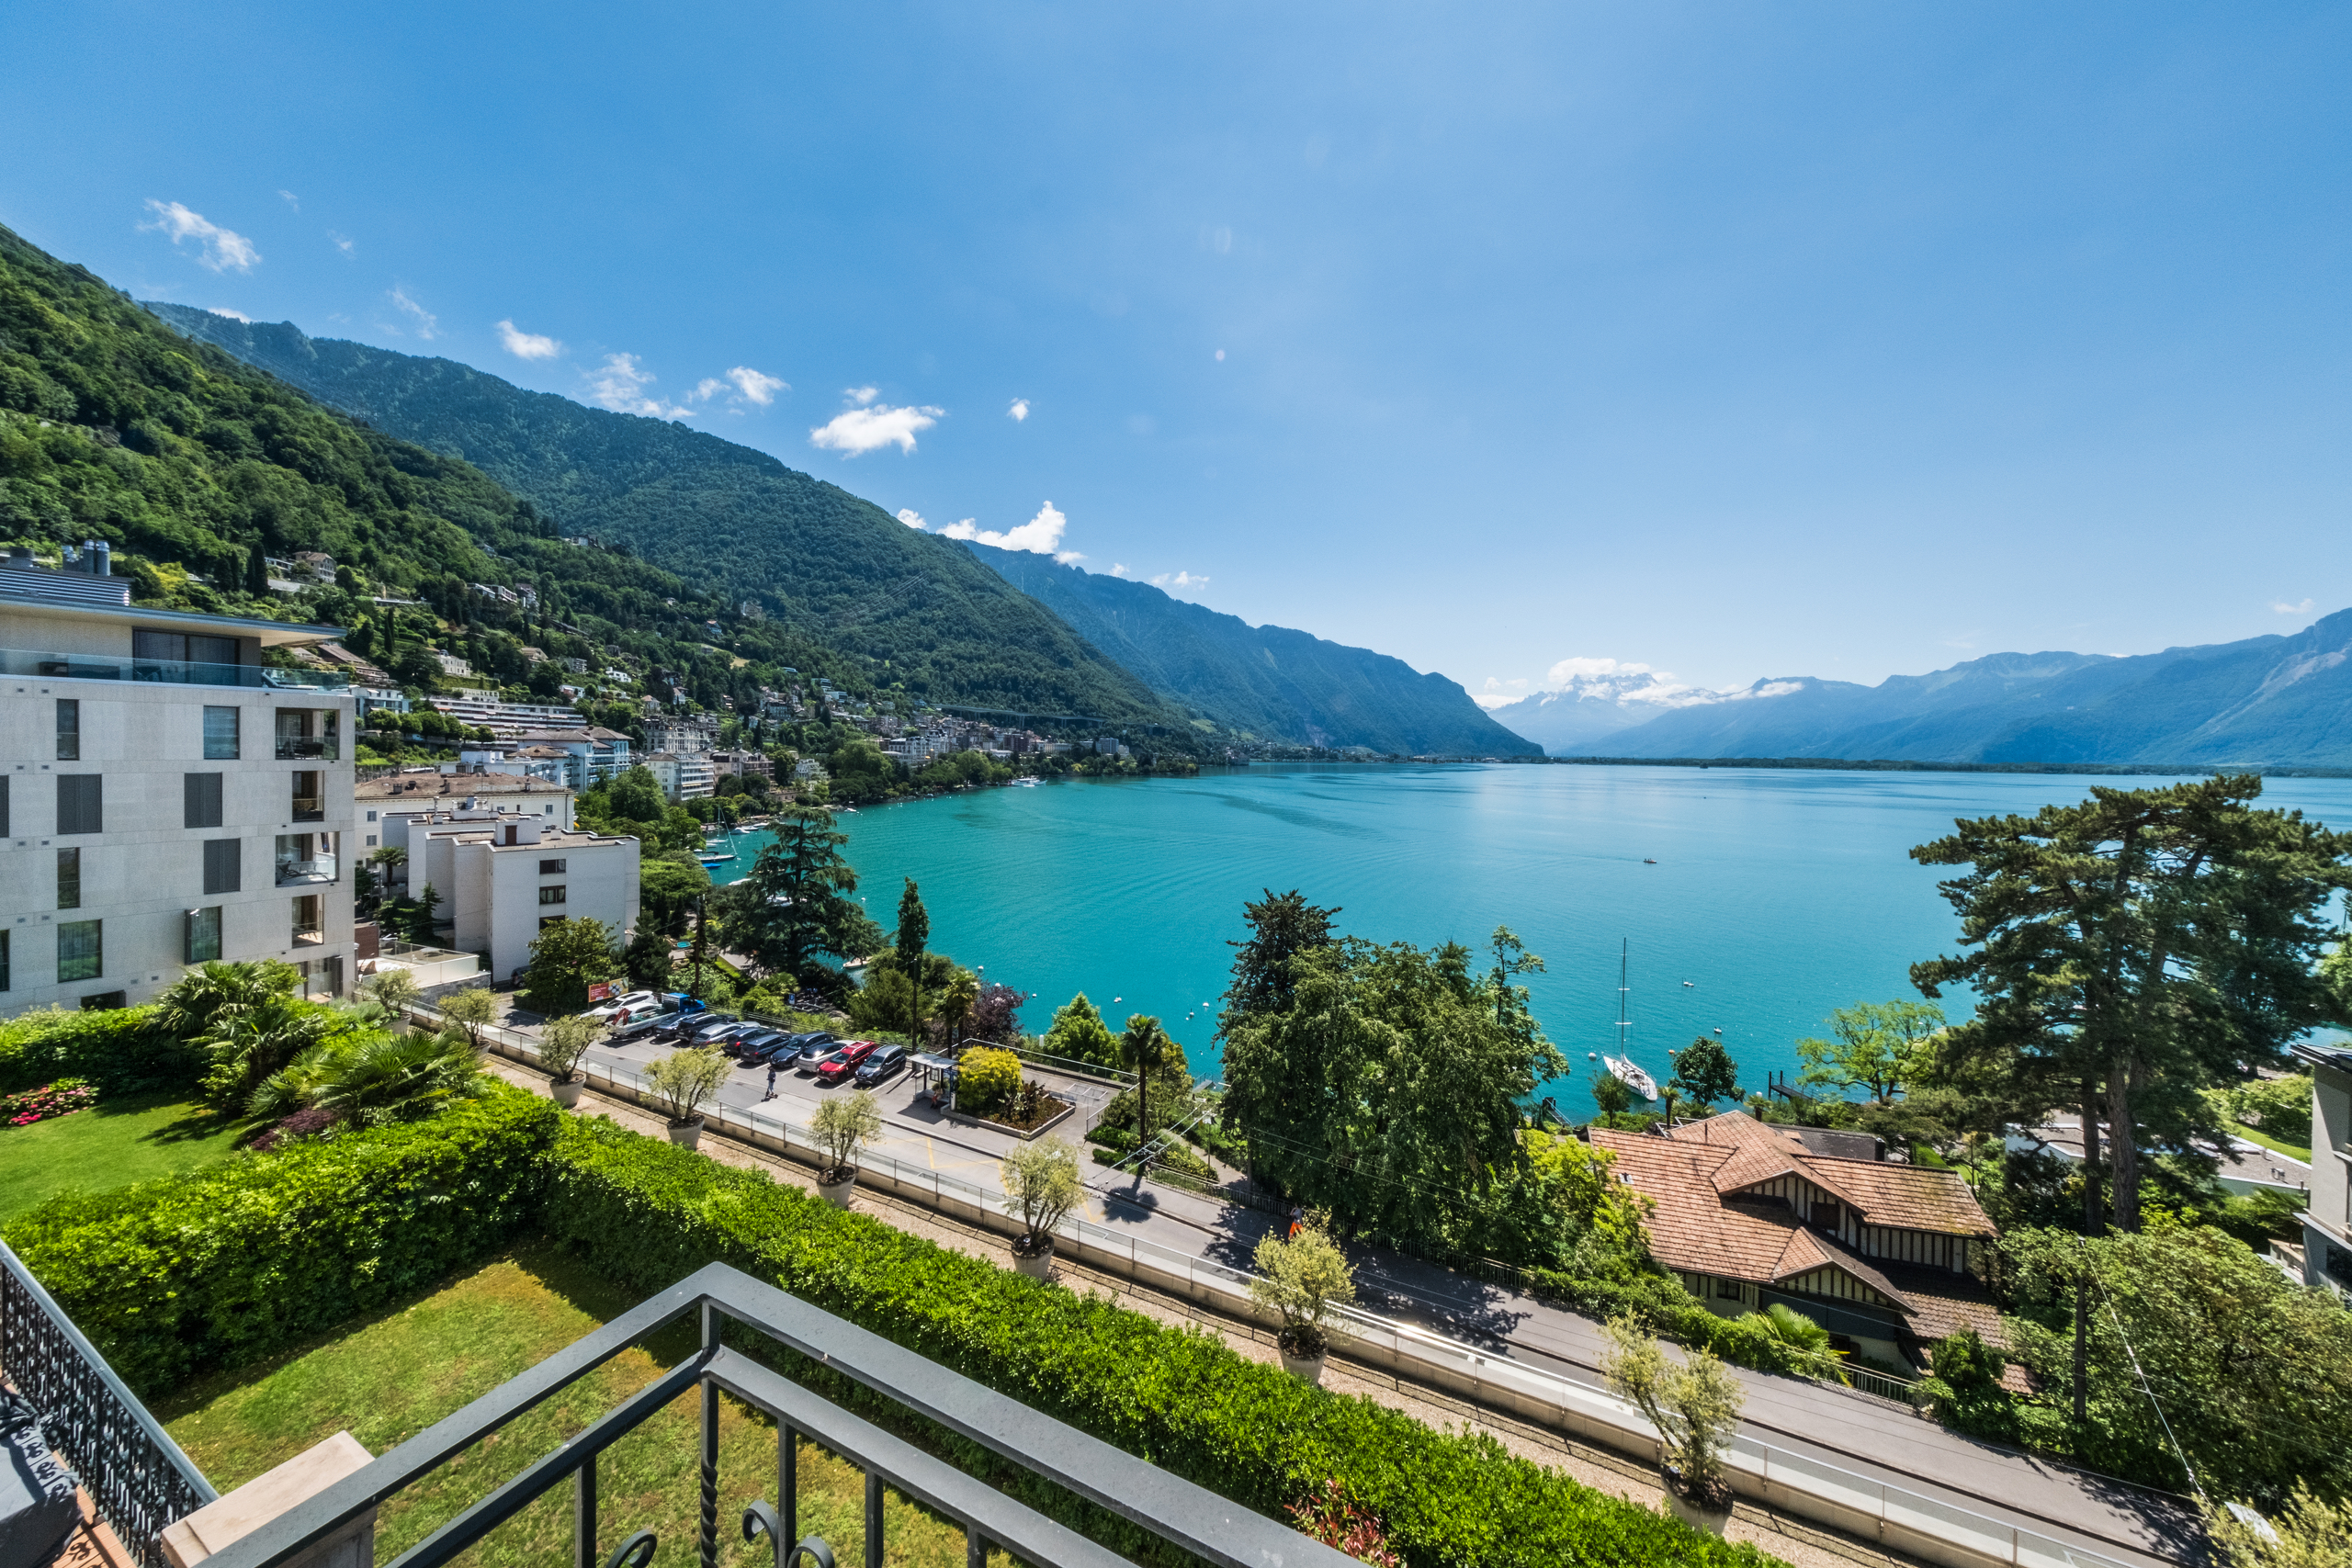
[
  {"x": 562, "y": 1046},
  {"x": 841, "y": 1126},
  {"x": 1694, "y": 1407},
  {"x": 686, "y": 1081},
  {"x": 1301, "y": 1278},
  {"x": 1041, "y": 1185}
]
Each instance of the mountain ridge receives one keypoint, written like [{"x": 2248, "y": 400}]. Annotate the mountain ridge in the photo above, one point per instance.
[
  {"x": 1269, "y": 681},
  {"x": 2275, "y": 699}
]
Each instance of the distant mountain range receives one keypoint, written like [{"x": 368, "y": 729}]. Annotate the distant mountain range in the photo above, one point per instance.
[
  {"x": 2267, "y": 701},
  {"x": 1268, "y": 682},
  {"x": 971, "y": 624},
  {"x": 827, "y": 563}
]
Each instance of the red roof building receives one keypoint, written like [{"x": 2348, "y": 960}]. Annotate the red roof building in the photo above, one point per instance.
[{"x": 1884, "y": 1256}]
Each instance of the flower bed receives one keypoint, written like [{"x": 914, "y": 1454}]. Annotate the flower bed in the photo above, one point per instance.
[{"x": 59, "y": 1098}]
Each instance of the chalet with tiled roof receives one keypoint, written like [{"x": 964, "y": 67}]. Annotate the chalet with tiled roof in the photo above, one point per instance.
[{"x": 1882, "y": 1255}]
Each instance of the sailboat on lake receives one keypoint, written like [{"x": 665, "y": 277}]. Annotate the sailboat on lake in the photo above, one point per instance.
[{"x": 1621, "y": 1066}]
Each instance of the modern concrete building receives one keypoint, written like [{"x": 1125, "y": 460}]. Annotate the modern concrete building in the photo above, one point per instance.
[
  {"x": 2328, "y": 1222},
  {"x": 502, "y": 875},
  {"x": 171, "y": 796}
]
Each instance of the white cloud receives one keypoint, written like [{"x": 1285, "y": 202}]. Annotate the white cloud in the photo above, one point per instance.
[
  {"x": 2283, "y": 608},
  {"x": 292, "y": 200},
  {"x": 1220, "y": 356},
  {"x": 1179, "y": 580},
  {"x": 1118, "y": 569},
  {"x": 1042, "y": 535},
  {"x": 233, "y": 315},
  {"x": 871, "y": 426},
  {"x": 424, "y": 323},
  {"x": 526, "y": 345},
  {"x": 620, "y": 385},
  {"x": 1019, "y": 410},
  {"x": 756, "y": 387},
  {"x": 222, "y": 250},
  {"x": 910, "y": 517},
  {"x": 1567, "y": 670},
  {"x": 341, "y": 243},
  {"x": 1069, "y": 557}
]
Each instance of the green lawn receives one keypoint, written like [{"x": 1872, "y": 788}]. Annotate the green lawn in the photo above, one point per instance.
[
  {"x": 111, "y": 1144},
  {"x": 387, "y": 1378}
]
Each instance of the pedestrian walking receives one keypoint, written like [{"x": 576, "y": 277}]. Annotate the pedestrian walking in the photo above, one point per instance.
[{"x": 771, "y": 1093}]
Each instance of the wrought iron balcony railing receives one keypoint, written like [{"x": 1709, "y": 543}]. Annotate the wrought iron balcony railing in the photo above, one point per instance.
[
  {"x": 732, "y": 1305},
  {"x": 169, "y": 672},
  {"x": 136, "y": 1476}
]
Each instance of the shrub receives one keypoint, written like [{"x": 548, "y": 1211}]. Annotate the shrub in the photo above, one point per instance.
[
  {"x": 687, "y": 1080},
  {"x": 647, "y": 1216},
  {"x": 1301, "y": 1278},
  {"x": 228, "y": 1264},
  {"x": 121, "y": 1051},
  {"x": 1659, "y": 1301},
  {"x": 59, "y": 1098},
  {"x": 1041, "y": 1183},
  {"x": 986, "y": 1078},
  {"x": 845, "y": 1124}
]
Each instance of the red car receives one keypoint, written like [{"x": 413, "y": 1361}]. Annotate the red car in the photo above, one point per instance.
[{"x": 844, "y": 1062}]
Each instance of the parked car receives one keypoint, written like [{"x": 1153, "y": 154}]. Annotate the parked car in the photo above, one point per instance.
[
  {"x": 761, "y": 1046},
  {"x": 604, "y": 1012},
  {"x": 839, "y": 1066},
  {"x": 649, "y": 1025},
  {"x": 814, "y": 1050},
  {"x": 695, "y": 1028},
  {"x": 882, "y": 1066}
]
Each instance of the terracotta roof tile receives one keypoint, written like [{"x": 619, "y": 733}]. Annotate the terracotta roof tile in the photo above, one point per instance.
[{"x": 1901, "y": 1197}]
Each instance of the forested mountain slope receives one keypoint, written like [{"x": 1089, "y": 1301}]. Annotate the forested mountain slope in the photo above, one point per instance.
[
  {"x": 2267, "y": 701},
  {"x": 1268, "y": 682},
  {"x": 824, "y": 563},
  {"x": 190, "y": 462}
]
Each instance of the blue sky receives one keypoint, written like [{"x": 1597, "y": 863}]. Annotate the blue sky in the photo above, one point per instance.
[{"x": 1737, "y": 341}]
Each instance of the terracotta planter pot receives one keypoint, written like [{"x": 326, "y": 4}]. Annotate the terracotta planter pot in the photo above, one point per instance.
[
  {"x": 687, "y": 1134},
  {"x": 835, "y": 1186},
  {"x": 1306, "y": 1368},
  {"x": 567, "y": 1093},
  {"x": 1037, "y": 1265}
]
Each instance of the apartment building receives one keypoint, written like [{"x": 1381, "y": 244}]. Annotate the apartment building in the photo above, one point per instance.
[
  {"x": 2327, "y": 1218},
  {"x": 504, "y": 876},
  {"x": 167, "y": 795}
]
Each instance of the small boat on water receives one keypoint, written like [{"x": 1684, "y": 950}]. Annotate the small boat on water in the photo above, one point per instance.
[
  {"x": 718, "y": 850},
  {"x": 1621, "y": 1066},
  {"x": 1648, "y": 861},
  {"x": 1631, "y": 1077}
]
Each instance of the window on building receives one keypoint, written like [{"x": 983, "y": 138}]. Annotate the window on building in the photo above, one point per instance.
[
  {"x": 4, "y": 958},
  {"x": 81, "y": 950},
  {"x": 371, "y": 840},
  {"x": 81, "y": 803},
  {"x": 220, "y": 735},
  {"x": 224, "y": 865},
  {"x": 1829, "y": 1216},
  {"x": 69, "y": 730},
  {"x": 200, "y": 800},
  {"x": 551, "y": 894},
  {"x": 179, "y": 647},
  {"x": 4, "y": 805},
  {"x": 204, "y": 934},
  {"x": 1728, "y": 1288},
  {"x": 551, "y": 868},
  {"x": 308, "y": 927},
  {"x": 69, "y": 879},
  {"x": 547, "y": 920},
  {"x": 309, "y": 804},
  {"x": 103, "y": 1001},
  {"x": 371, "y": 816}
]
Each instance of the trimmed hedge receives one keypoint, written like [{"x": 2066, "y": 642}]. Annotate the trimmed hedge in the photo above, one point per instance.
[
  {"x": 649, "y": 1215},
  {"x": 226, "y": 1265},
  {"x": 121, "y": 1049},
  {"x": 1672, "y": 1313}
]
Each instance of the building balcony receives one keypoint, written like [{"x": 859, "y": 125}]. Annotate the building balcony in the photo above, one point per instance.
[
  {"x": 311, "y": 935},
  {"x": 309, "y": 808},
  {"x": 307, "y": 749},
  {"x": 294, "y": 873},
  {"x": 166, "y": 672}
]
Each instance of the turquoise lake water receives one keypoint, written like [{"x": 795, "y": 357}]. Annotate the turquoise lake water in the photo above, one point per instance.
[{"x": 1778, "y": 895}]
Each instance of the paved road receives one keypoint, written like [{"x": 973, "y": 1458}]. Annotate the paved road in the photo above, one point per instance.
[{"x": 1871, "y": 1437}]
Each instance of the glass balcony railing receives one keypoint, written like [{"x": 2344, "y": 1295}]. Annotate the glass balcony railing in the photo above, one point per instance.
[
  {"x": 310, "y": 935},
  {"x": 166, "y": 672},
  {"x": 309, "y": 808},
  {"x": 321, "y": 868},
  {"x": 306, "y": 748}
]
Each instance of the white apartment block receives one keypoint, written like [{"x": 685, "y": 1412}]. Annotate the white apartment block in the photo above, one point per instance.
[
  {"x": 170, "y": 797},
  {"x": 2327, "y": 1218},
  {"x": 504, "y": 876}
]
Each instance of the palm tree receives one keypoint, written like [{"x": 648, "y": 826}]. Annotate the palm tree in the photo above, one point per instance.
[
  {"x": 204, "y": 996},
  {"x": 1806, "y": 1341},
  {"x": 250, "y": 1045},
  {"x": 372, "y": 1078},
  {"x": 1144, "y": 1049}
]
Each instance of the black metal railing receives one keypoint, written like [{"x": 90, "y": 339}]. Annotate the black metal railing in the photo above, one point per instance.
[
  {"x": 136, "y": 1476},
  {"x": 1193, "y": 1519}
]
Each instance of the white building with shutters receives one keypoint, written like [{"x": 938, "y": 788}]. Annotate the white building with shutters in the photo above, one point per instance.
[{"x": 167, "y": 795}]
